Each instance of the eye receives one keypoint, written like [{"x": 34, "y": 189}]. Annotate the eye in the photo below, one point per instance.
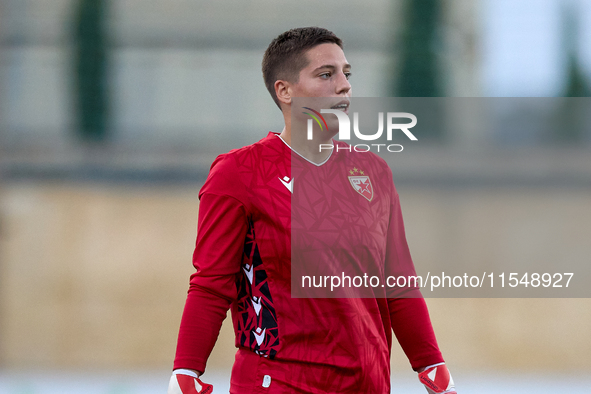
[
  {"x": 348, "y": 74},
  {"x": 325, "y": 75}
]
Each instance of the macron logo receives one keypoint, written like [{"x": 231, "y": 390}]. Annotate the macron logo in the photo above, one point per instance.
[
  {"x": 288, "y": 183},
  {"x": 259, "y": 335}
]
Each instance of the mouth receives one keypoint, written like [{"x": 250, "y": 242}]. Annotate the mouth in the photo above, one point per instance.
[{"x": 342, "y": 105}]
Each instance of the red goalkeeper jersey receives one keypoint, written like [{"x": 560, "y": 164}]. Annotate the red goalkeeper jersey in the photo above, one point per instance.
[{"x": 248, "y": 231}]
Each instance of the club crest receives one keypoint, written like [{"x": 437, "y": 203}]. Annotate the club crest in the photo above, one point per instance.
[{"x": 361, "y": 183}]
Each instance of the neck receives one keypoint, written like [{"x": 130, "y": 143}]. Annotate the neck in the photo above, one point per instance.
[{"x": 310, "y": 149}]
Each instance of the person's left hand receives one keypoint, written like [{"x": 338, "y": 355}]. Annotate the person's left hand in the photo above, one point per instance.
[{"x": 437, "y": 379}]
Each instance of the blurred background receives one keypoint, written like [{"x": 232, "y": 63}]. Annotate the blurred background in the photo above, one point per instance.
[{"x": 111, "y": 112}]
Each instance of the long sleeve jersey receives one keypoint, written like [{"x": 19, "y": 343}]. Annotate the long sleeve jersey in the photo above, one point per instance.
[{"x": 267, "y": 217}]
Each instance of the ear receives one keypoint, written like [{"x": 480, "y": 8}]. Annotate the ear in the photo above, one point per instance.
[{"x": 283, "y": 91}]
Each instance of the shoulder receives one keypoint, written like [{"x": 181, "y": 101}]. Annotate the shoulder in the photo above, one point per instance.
[
  {"x": 230, "y": 171},
  {"x": 240, "y": 157}
]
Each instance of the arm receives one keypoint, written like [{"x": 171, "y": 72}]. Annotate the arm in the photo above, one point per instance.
[
  {"x": 218, "y": 253},
  {"x": 412, "y": 326},
  {"x": 410, "y": 321},
  {"x": 409, "y": 316}
]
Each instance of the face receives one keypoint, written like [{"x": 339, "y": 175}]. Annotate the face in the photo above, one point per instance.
[{"x": 326, "y": 76}]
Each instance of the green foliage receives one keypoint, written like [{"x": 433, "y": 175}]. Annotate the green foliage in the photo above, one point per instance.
[
  {"x": 576, "y": 85},
  {"x": 418, "y": 72},
  {"x": 90, "y": 56}
]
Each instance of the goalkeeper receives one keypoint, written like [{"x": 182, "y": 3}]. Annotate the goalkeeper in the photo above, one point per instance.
[{"x": 243, "y": 253}]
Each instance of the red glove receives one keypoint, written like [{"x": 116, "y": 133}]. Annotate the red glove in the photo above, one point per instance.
[
  {"x": 184, "y": 381},
  {"x": 437, "y": 379}
]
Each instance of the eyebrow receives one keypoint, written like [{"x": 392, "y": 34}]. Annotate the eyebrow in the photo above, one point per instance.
[{"x": 330, "y": 66}]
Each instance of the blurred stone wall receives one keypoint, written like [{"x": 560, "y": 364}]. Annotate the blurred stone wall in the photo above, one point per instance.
[{"x": 95, "y": 275}]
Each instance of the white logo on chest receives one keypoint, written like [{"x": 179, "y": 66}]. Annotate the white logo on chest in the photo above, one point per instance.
[
  {"x": 259, "y": 335},
  {"x": 288, "y": 183}
]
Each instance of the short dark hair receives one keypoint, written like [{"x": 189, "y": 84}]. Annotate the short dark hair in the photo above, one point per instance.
[{"x": 283, "y": 58}]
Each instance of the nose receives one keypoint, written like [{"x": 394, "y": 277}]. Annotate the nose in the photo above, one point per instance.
[{"x": 343, "y": 86}]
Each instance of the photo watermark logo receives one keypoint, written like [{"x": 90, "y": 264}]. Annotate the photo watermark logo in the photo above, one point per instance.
[{"x": 344, "y": 133}]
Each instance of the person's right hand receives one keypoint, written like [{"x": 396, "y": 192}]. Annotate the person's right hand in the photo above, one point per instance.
[{"x": 184, "y": 381}]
